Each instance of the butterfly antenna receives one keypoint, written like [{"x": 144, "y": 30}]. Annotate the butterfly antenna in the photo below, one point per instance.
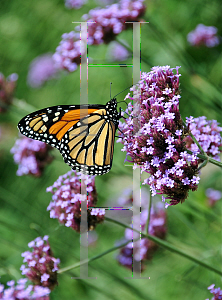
[
  {"x": 123, "y": 91},
  {"x": 110, "y": 90}
]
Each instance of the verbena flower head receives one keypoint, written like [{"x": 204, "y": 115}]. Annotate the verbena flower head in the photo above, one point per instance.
[
  {"x": 153, "y": 136},
  {"x": 76, "y": 4},
  {"x": 217, "y": 292},
  {"x": 203, "y": 35},
  {"x": 107, "y": 23},
  {"x": 67, "y": 55},
  {"x": 144, "y": 248},
  {"x": 7, "y": 87},
  {"x": 104, "y": 24},
  {"x": 207, "y": 134},
  {"x": 40, "y": 265},
  {"x": 22, "y": 291},
  {"x": 66, "y": 200},
  {"x": 213, "y": 196},
  {"x": 31, "y": 156},
  {"x": 41, "y": 69}
]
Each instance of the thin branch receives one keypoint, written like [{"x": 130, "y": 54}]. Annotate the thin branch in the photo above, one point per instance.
[
  {"x": 194, "y": 139},
  {"x": 169, "y": 247},
  {"x": 208, "y": 158},
  {"x": 85, "y": 261},
  {"x": 149, "y": 211},
  {"x": 158, "y": 241}
]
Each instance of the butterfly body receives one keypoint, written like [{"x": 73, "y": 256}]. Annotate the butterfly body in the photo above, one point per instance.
[{"x": 84, "y": 134}]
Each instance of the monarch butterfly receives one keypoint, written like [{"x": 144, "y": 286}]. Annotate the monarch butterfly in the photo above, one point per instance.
[{"x": 84, "y": 134}]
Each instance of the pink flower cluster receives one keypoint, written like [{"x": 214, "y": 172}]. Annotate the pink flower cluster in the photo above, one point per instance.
[
  {"x": 41, "y": 267},
  {"x": 153, "y": 136},
  {"x": 106, "y": 23},
  {"x": 23, "y": 292},
  {"x": 66, "y": 200},
  {"x": 217, "y": 292},
  {"x": 207, "y": 133},
  {"x": 67, "y": 55},
  {"x": 7, "y": 87},
  {"x": 31, "y": 156},
  {"x": 203, "y": 35}
]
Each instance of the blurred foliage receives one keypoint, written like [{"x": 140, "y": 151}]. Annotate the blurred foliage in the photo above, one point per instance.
[{"x": 31, "y": 28}]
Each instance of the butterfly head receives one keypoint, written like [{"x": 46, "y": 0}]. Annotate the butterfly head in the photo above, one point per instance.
[
  {"x": 112, "y": 104},
  {"x": 112, "y": 111}
]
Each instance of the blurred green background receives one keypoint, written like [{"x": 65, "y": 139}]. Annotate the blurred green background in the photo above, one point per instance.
[{"x": 32, "y": 28}]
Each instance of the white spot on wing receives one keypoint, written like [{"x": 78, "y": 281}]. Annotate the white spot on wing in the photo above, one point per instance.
[{"x": 44, "y": 128}]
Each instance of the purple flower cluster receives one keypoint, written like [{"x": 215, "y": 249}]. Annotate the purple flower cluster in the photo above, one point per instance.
[
  {"x": 23, "y": 292},
  {"x": 104, "y": 24},
  {"x": 207, "y": 133},
  {"x": 41, "y": 69},
  {"x": 66, "y": 200},
  {"x": 31, "y": 156},
  {"x": 76, "y": 4},
  {"x": 213, "y": 196},
  {"x": 41, "y": 267},
  {"x": 107, "y": 23},
  {"x": 67, "y": 55},
  {"x": 203, "y": 35},
  {"x": 216, "y": 292},
  {"x": 153, "y": 136},
  {"x": 7, "y": 87},
  {"x": 144, "y": 248}
]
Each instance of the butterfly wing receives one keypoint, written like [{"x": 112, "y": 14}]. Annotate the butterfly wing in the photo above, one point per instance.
[
  {"x": 83, "y": 134},
  {"x": 50, "y": 124},
  {"x": 88, "y": 145}
]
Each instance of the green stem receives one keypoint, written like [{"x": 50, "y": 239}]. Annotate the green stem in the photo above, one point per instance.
[
  {"x": 202, "y": 165},
  {"x": 169, "y": 247},
  {"x": 158, "y": 241},
  {"x": 202, "y": 155},
  {"x": 149, "y": 211},
  {"x": 197, "y": 143},
  {"x": 194, "y": 139},
  {"x": 208, "y": 158},
  {"x": 76, "y": 265}
]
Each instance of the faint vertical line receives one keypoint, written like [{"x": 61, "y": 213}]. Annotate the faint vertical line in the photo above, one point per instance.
[
  {"x": 83, "y": 230},
  {"x": 83, "y": 100},
  {"x": 83, "y": 65},
  {"x": 83, "y": 191},
  {"x": 136, "y": 127}
]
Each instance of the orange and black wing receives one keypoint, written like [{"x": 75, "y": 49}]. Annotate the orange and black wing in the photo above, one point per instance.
[
  {"x": 50, "y": 124},
  {"x": 83, "y": 134},
  {"x": 88, "y": 145}
]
